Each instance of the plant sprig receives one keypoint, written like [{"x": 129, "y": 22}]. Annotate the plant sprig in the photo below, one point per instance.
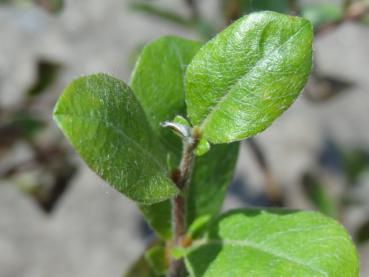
[{"x": 212, "y": 96}]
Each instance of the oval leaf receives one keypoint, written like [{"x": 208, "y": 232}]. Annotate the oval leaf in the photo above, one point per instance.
[
  {"x": 248, "y": 75},
  {"x": 158, "y": 83},
  {"x": 107, "y": 126},
  {"x": 273, "y": 243}
]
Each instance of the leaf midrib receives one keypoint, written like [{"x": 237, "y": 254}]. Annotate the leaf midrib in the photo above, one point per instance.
[
  {"x": 120, "y": 132},
  {"x": 258, "y": 247},
  {"x": 238, "y": 80}
]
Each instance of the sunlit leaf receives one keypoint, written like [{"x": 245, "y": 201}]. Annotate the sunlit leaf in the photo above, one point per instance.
[
  {"x": 248, "y": 75},
  {"x": 273, "y": 243},
  {"x": 107, "y": 126}
]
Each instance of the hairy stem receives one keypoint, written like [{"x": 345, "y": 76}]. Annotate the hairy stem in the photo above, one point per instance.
[{"x": 181, "y": 178}]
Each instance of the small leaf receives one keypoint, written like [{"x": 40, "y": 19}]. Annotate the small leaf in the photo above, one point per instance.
[
  {"x": 158, "y": 217},
  {"x": 248, "y": 75},
  {"x": 181, "y": 120},
  {"x": 273, "y": 243},
  {"x": 156, "y": 258},
  {"x": 198, "y": 226},
  {"x": 323, "y": 13},
  {"x": 178, "y": 252},
  {"x": 107, "y": 126},
  {"x": 202, "y": 147},
  {"x": 158, "y": 83},
  {"x": 210, "y": 179}
]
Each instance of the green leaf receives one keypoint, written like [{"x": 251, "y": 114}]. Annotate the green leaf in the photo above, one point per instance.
[
  {"x": 210, "y": 179},
  {"x": 202, "y": 147},
  {"x": 158, "y": 217},
  {"x": 198, "y": 226},
  {"x": 157, "y": 259},
  {"x": 158, "y": 83},
  {"x": 248, "y": 75},
  {"x": 107, "y": 126},
  {"x": 322, "y": 13},
  {"x": 273, "y": 243}
]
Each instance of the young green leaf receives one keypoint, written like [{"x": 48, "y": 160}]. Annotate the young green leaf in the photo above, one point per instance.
[
  {"x": 107, "y": 126},
  {"x": 158, "y": 83},
  {"x": 273, "y": 243},
  {"x": 210, "y": 179},
  {"x": 156, "y": 257},
  {"x": 248, "y": 75}
]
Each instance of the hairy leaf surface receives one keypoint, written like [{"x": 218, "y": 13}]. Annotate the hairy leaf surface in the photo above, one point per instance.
[
  {"x": 107, "y": 126},
  {"x": 272, "y": 243},
  {"x": 158, "y": 83},
  {"x": 248, "y": 75}
]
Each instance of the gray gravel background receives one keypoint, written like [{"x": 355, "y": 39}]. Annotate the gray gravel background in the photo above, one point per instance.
[{"x": 96, "y": 232}]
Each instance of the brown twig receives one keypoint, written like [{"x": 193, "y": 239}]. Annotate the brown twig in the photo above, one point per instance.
[{"x": 181, "y": 178}]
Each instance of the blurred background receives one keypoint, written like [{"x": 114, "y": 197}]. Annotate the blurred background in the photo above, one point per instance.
[{"x": 58, "y": 219}]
